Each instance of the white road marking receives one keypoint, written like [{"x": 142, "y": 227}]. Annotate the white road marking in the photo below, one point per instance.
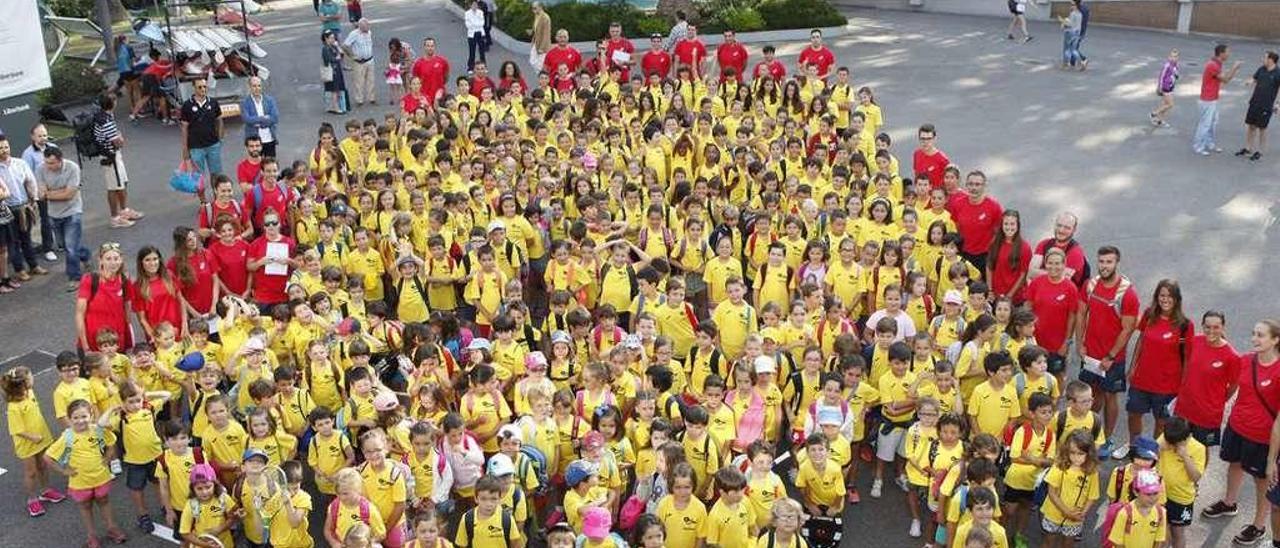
[
  {"x": 164, "y": 532},
  {"x": 3, "y": 471}
]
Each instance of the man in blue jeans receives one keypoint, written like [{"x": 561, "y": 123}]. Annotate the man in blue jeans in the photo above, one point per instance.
[
  {"x": 58, "y": 181},
  {"x": 202, "y": 131}
]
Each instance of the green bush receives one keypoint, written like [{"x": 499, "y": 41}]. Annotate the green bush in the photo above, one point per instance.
[
  {"x": 72, "y": 8},
  {"x": 742, "y": 19},
  {"x": 799, "y": 14},
  {"x": 650, "y": 24},
  {"x": 72, "y": 80}
]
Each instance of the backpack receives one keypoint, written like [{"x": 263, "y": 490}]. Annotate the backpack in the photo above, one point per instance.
[
  {"x": 87, "y": 144},
  {"x": 208, "y": 215},
  {"x": 469, "y": 524},
  {"x": 535, "y": 462},
  {"x": 1116, "y": 301},
  {"x": 713, "y": 363},
  {"x": 1113, "y": 513},
  {"x": 764, "y": 275},
  {"x": 417, "y": 285},
  {"x": 196, "y": 452},
  {"x": 643, "y": 238},
  {"x": 257, "y": 199},
  {"x": 813, "y": 410},
  {"x": 1062, "y": 424},
  {"x": 1020, "y": 383},
  {"x": 597, "y": 336},
  {"x": 581, "y": 404},
  {"x": 333, "y": 513},
  {"x": 69, "y": 437},
  {"x": 1085, "y": 272},
  {"x": 1006, "y": 457},
  {"x": 845, "y": 327}
]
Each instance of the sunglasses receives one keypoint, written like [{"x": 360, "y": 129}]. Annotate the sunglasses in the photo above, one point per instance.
[
  {"x": 271, "y": 223},
  {"x": 110, "y": 246}
]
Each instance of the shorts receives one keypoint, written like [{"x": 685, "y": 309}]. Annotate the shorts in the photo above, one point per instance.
[
  {"x": 1250, "y": 455},
  {"x": 1064, "y": 529},
  {"x": 1142, "y": 402},
  {"x": 1258, "y": 116},
  {"x": 114, "y": 174},
  {"x": 151, "y": 86},
  {"x": 1210, "y": 437},
  {"x": 93, "y": 493},
  {"x": 1114, "y": 382},
  {"x": 1179, "y": 515},
  {"x": 1017, "y": 496},
  {"x": 136, "y": 476},
  {"x": 888, "y": 445},
  {"x": 1057, "y": 364}
]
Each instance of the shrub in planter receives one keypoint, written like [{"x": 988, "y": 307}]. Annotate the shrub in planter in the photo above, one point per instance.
[
  {"x": 799, "y": 14},
  {"x": 650, "y": 24},
  {"x": 72, "y": 80},
  {"x": 742, "y": 19}
]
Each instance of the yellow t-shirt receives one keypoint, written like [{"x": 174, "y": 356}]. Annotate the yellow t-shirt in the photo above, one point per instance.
[
  {"x": 722, "y": 424},
  {"x": 997, "y": 534},
  {"x": 199, "y": 518},
  {"x": 761, "y": 494},
  {"x": 424, "y": 472},
  {"x": 25, "y": 417},
  {"x": 704, "y": 456},
  {"x": 175, "y": 471},
  {"x": 327, "y": 455},
  {"x": 285, "y": 535},
  {"x": 727, "y": 526},
  {"x": 684, "y": 526},
  {"x": 1046, "y": 384},
  {"x": 1134, "y": 527},
  {"x": 860, "y": 398},
  {"x": 65, "y": 393},
  {"x": 775, "y": 283},
  {"x": 825, "y": 488},
  {"x": 993, "y": 408},
  {"x": 261, "y": 504},
  {"x": 385, "y": 488},
  {"x": 141, "y": 442},
  {"x": 350, "y": 515},
  {"x": 1076, "y": 489},
  {"x": 573, "y": 503},
  {"x": 674, "y": 322},
  {"x": 1041, "y": 444},
  {"x": 971, "y": 361},
  {"x": 497, "y": 411},
  {"x": 1178, "y": 486},
  {"x": 896, "y": 389},
  {"x": 367, "y": 266},
  {"x": 845, "y": 281},
  {"x": 735, "y": 321},
  {"x": 227, "y": 445},
  {"x": 486, "y": 289},
  {"x": 85, "y": 456},
  {"x": 412, "y": 304},
  {"x": 717, "y": 271}
]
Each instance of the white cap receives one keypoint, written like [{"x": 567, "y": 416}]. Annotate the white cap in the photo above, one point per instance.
[
  {"x": 766, "y": 364},
  {"x": 496, "y": 224},
  {"x": 510, "y": 431},
  {"x": 953, "y": 297},
  {"x": 501, "y": 465}
]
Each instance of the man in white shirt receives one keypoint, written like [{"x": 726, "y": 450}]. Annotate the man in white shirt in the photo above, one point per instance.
[
  {"x": 359, "y": 45},
  {"x": 473, "y": 19},
  {"x": 21, "y": 196}
]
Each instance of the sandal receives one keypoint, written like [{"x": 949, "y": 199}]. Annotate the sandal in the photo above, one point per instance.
[
  {"x": 6, "y": 289},
  {"x": 117, "y": 536},
  {"x": 92, "y": 542}
]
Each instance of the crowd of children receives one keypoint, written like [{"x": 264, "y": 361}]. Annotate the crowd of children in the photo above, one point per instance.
[{"x": 661, "y": 312}]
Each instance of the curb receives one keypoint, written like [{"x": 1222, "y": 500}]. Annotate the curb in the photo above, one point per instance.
[{"x": 765, "y": 36}]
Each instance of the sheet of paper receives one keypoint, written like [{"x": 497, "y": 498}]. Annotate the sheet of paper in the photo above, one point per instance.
[
  {"x": 1093, "y": 365},
  {"x": 620, "y": 57},
  {"x": 277, "y": 250}
]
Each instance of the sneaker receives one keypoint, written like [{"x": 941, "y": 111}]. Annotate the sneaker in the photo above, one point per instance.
[
  {"x": 50, "y": 256},
  {"x": 1084, "y": 64},
  {"x": 901, "y": 481},
  {"x": 1205, "y": 153},
  {"x": 120, "y": 222},
  {"x": 35, "y": 508},
  {"x": 1104, "y": 452},
  {"x": 132, "y": 215},
  {"x": 73, "y": 287},
  {"x": 1249, "y": 536},
  {"x": 1215, "y": 149},
  {"x": 53, "y": 495},
  {"x": 915, "y": 529},
  {"x": 854, "y": 497},
  {"x": 1243, "y": 152},
  {"x": 1220, "y": 509},
  {"x": 1009, "y": 37},
  {"x": 1152, "y": 116},
  {"x": 1028, "y": 39},
  {"x": 145, "y": 524},
  {"x": 39, "y": 270},
  {"x": 1256, "y": 156},
  {"x": 1121, "y": 452},
  {"x": 876, "y": 487}
]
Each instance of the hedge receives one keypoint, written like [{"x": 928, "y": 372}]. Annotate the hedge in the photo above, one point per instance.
[{"x": 587, "y": 21}]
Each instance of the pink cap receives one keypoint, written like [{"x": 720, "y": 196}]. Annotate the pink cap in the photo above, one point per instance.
[
  {"x": 385, "y": 401},
  {"x": 596, "y": 523},
  {"x": 203, "y": 473},
  {"x": 593, "y": 440}
]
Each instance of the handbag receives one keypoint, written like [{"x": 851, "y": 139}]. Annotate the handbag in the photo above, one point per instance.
[
  {"x": 187, "y": 179},
  {"x": 326, "y": 73}
]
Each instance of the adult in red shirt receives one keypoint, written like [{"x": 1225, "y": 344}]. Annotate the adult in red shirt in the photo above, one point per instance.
[
  {"x": 1211, "y": 82},
  {"x": 1248, "y": 435},
  {"x": 731, "y": 55},
  {"x": 1159, "y": 358},
  {"x": 1063, "y": 239},
  {"x": 224, "y": 204},
  {"x": 1055, "y": 301},
  {"x": 269, "y": 288},
  {"x": 617, "y": 43},
  {"x": 268, "y": 195},
  {"x": 191, "y": 268},
  {"x": 816, "y": 54},
  {"x": 1009, "y": 259},
  {"x": 927, "y": 160},
  {"x": 480, "y": 79},
  {"x": 562, "y": 54},
  {"x": 1108, "y": 313},
  {"x": 248, "y": 168},
  {"x": 433, "y": 70},
  {"x": 414, "y": 98},
  {"x": 103, "y": 301},
  {"x": 656, "y": 60},
  {"x": 229, "y": 260},
  {"x": 770, "y": 66},
  {"x": 690, "y": 51},
  {"x": 977, "y": 216},
  {"x": 1213, "y": 366},
  {"x": 155, "y": 296}
]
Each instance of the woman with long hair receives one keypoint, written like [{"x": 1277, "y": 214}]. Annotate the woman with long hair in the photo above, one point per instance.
[
  {"x": 1009, "y": 258},
  {"x": 103, "y": 300},
  {"x": 1159, "y": 357},
  {"x": 155, "y": 294},
  {"x": 191, "y": 268}
]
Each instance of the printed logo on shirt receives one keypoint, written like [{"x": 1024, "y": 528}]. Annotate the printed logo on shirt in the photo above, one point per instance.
[
  {"x": 1266, "y": 382},
  {"x": 1061, "y": 297},
  {"x": 1216, "y": 365},
  {"x": 1167, "y": 336}
]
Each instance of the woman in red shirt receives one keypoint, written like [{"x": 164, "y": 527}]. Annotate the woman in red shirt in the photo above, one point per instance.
[
  {"x": 1159, "y": 357},
  {"x": 103, "y": 300},
  {"x": 1054, "y": 298},
  {"x": 268, "y": 286},
  {"x": 509, "y": 74},
  {"x": 155, "y": 296},
  {"x": 414, "y": 98},
  {"x": 1009, "y": 258},
  {"x": 1213, "y": 367},
  {"x": 1250, "y": 429},
  {"x": 229, "y": 257},
  {"x": 192, "y": 268}
]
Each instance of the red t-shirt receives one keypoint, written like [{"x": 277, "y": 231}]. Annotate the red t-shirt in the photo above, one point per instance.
[
  {"x": 692, "y": 53},
  {"x": 1003, "y": 277},
  {"x": 276, "y": 199},
  {"x": 1211, "y": 371},
  {"x": 230, "y": 264},
  {"x": 269, "y": 288},
  {"x": 506, "y": 82},
  {"x": 557, "y": 56},
  {"x": 822, "y": 57},
  {"x": 411, "y": 103},
  {"x": 247, "y": 171},
  {"x": 619, "y": 44},
  {"x": 976, "y": 223},
  {"x": 1103, "y": 323},
  {"x": 1251, "y": 417},
  {"x": 773, "y": 68},
  {"x": 931, "y": 165},
  {"x": 231, "y": 209},
  {"x": 480, "y": 84},
  {"x": 1075, "y": 257},
  {"x": 1053, "y": 305},
  {"x": 1158, "y": 368},
  {"x": 199, "y": 294},
  {"x": 434, "y": 73},
  {"x": 656, "y": 62},
  {"x": 1209, "y": 83},
  {"x": 161, "y": 306},
  {"x": 105, "y": 309},
  {"x": 732, "y": 56}
]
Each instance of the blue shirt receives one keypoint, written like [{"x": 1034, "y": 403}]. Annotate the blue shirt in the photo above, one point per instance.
[{"x": 330, "y": 9}]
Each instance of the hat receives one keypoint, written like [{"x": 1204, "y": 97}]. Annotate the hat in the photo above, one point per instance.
[
  {"x": 1145, "y": 448},
  {"x": 253, "y": 344},
  {"x": 596, "y": 523},
  {"x": 510, "y": 431},
  {"x": 632, "y": 341},
  {"x": 480, "y": 344},
  {"x": 593, "y": 440},
  {"x": 203, "y": 473},
  {"x": 1147, "y": 482},
  {"x": 560, "y": 527},
  {"x": 771, "y": 334},
  {"x": 348, "y": 326},
  {"x": 501, "y": 465},
  {"x": 385, "y": 401},
  {"x": 338, "y": 209},
  {"x": 191, "y": 362},
  {"x": 830, "y": 416},
  {"x": 496, "y": 225},
  {"x": 561, "y": 337},
  {"x": 578, "y": 471},
  {"x": 535, "y": 360},
  {"x": 765, "y": 364},
  {"x": 952, "y": 297},
  {"x": 407, "y": 259},
  {"x": 253, "y": 452}
]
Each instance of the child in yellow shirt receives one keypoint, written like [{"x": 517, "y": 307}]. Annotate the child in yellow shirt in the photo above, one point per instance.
[
  {"x": 731, "y": 520},
  {"x": 1072, "y": 489},
  {"x": 31, "y": 435},
  {"x": 210, "y": 510}
]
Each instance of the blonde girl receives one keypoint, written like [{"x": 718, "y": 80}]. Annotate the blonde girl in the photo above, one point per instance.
[
  {"x": 31, "y": 435},
  {"x": 1073, "y": 488},
  {"x": 428, "y": 404},
  {"x": 265, "y": 434},
  {"x": 386, "y": 486},
  {"x": 81, "y": 453},
  {"x": 350, "y": 508},
  {"x": 785, "y": 518}
]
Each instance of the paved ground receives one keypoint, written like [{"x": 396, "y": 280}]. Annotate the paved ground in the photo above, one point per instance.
[{"x": 1049, "y": 140}]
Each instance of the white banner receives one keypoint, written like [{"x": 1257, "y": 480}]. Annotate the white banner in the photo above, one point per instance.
[{"x": 24, "y": 68}]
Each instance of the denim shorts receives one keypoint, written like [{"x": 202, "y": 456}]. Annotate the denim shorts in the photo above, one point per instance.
[
  {"x": 1143, "y": 402},
  {"x": 1114, "y": 382},
  {"x": 137, "y": 476}
]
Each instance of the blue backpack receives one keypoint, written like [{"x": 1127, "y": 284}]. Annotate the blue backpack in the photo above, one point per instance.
[{"x": 534, "y": 462}]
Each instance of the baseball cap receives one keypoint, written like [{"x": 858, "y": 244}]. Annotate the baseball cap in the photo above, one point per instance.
[
  {"x": 385, "y": 401},
  {"x": 765, "y": 364},
  {"x": 560, "y": 527},
  {"x": 1146, "y": 448},
  {"x": 251, "y": 453},
  {"x": 407, "y": 259},
  {"x": 953, "y": 297},
  {"x": 191, "y": 362},
  {"x": 577, "y": 472},
  {"x": 593, "y": 440},
  {"x": 596, "y": 523},
  {"x": 496, "y": 225},
  {"x": 829, "y": 416},
  {"x": 1147, "y": 482},
  {"x": 510, "y": 431},
  {"x": 535, "y": 360},
  {"x": 479, "y": 344},
  {"x": 771, "y": 334},
  {"x": 501, "y": 465},
  {"x": 203, "y": 473},
  {"x": 561, "y": 337},
  {"x": 632, "y": 341}
]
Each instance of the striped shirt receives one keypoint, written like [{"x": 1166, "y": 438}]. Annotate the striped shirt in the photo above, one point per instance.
[{"x": 105, "y": 131}]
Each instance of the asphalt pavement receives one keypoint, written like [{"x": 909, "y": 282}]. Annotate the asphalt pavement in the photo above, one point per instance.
[{"x": 1049, "y": 140}]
